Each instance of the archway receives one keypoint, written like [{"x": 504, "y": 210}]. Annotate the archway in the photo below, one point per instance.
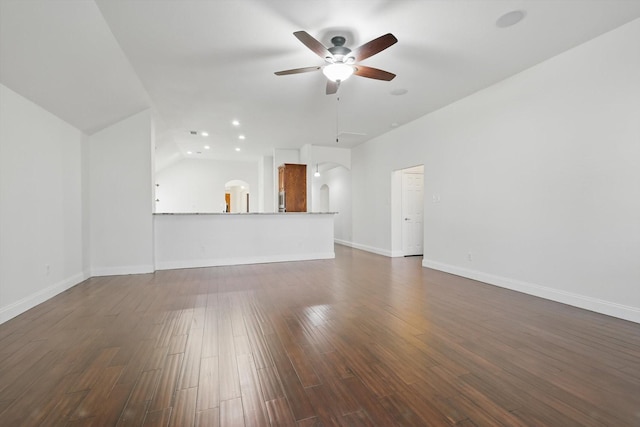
[
  {"x": 236, "y": 196},
  {"x": 324, "y": 198}
]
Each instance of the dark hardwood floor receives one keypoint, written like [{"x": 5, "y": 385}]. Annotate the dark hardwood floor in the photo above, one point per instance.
[{"x": 361, "y": 340}]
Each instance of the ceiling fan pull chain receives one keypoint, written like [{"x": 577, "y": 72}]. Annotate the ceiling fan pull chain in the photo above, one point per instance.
[{"x": 337, "y": 115}]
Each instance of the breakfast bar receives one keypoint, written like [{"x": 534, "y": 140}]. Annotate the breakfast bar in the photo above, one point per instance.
[{"x": 184, "y": 240}]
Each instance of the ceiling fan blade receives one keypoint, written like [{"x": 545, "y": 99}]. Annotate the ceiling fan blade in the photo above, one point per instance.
[
  {"x": 332, "y": 87},
  {"x": 297, "y": 71},
  {"x": 313, "y": 44},
  {"x": 373, "y": 73},
  {"x": 373, "y": 47}
]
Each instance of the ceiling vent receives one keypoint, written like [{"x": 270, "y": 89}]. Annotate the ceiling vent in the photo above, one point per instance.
[{"x": 351, "y": 135}]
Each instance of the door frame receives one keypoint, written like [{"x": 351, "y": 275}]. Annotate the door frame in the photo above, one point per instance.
[{"x": 396, "y": 209}]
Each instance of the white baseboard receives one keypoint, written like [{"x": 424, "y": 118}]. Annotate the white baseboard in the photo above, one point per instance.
[
  {"x": 581, "y": 301},
  {"x": 218, "y": 262},
  {"x": 397, "y": 254},
  {"x": 122, "y": 270},
  {"x": 14, "y": 309},
  {"x": 365, "y": 248}
]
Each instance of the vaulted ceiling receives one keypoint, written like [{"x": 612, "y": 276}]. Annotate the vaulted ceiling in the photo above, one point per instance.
[{"x": 201, "y": 64}]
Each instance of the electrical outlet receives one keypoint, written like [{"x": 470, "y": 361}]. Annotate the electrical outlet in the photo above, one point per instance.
[{"x": 469, "y": 257}]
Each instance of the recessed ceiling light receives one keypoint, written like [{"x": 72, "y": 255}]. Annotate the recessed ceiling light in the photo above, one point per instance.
[
  {"x": 510, "y": 18},
  {"x": 235, "y": 123},
  {"x": 241, "y": 137},
  {"x": 206, "y": 147},
  {"x": 398, "y": 92},
  {"x": 189, "y": 152},
  {"x": 237, "y": 148},
  {"x": 394, "y": 125},
  {"x": 205, "y": 134}
]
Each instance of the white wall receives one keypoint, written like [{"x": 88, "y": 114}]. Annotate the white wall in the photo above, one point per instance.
[
  {"x": 194, "y": 185},
  {"x": 120, "y": 191},
  {"x": 338, "y": 180},
  {"x": 265, "y": 185},
  {"x": 86, "y": 201},
  {"x": 371, "y": 169},
  {"x": 41, "y": 248},
  {"x": 282, "y": 156},
  {"x": 317, "y": 156},
  {"x": 537, "y": 177},
  {"x": 185, "y": 241}
]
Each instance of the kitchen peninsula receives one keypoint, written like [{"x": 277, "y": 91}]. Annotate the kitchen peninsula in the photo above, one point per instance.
[{"x": 183, "y": 240}]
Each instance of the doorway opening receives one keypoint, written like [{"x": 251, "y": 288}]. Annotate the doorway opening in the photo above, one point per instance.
[
  {"x": 236, "y": 196},
  {"x": 407, "y": 231},
  {"x": 324, "y": 198}
]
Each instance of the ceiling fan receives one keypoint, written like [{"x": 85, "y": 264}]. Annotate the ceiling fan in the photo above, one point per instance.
[{"x": 342, "y": 61}]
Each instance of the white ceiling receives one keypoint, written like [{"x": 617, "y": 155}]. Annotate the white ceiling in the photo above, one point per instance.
[{"x": 200, "y": 64}]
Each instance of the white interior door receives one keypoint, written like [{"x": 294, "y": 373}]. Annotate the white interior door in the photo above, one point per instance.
[{"x": 412, "y": 206}]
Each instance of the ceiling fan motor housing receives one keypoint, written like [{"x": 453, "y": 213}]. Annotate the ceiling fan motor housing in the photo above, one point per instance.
[{"x": 338, "y": 50}]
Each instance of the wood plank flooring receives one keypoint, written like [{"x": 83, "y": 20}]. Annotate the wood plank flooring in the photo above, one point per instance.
[{"x": 361, "y": 340}]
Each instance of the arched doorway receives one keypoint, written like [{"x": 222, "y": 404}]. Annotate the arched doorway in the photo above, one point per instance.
[
  {"x": 324, "y": 198},
  {"x": 236, "y": 196}
]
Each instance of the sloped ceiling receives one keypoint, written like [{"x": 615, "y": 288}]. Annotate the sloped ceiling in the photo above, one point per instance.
[
  {"x": 201, "y": 64},
  {"x": 63, "y": 56}
]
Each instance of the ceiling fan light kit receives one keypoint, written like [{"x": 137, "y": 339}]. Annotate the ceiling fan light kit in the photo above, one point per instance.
[
  {"x": 338, "y": 72},
  {"x": 342, "y": 60}
]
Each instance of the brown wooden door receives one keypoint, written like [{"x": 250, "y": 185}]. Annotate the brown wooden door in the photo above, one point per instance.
[{"x": 294, "y": 184}]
